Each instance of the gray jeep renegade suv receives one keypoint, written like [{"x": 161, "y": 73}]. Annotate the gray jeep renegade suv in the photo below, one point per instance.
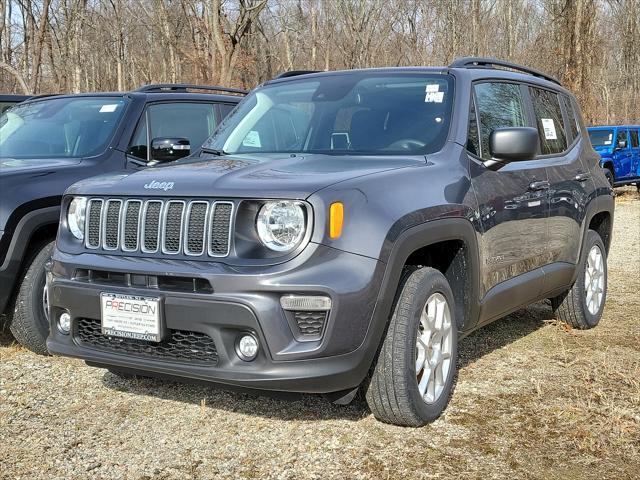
[{"x": 341, "y": 230}]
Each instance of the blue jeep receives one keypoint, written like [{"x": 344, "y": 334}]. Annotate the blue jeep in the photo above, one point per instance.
[{"x": 619, "y": 149}]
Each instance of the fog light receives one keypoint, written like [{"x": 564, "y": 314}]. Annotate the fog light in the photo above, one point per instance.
[
  {"x": 247, "y": 347},
  {"x": 64, "y": 323}
]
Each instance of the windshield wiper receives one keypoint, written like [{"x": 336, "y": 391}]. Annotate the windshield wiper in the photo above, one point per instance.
[{"x": 218, "y": 153}]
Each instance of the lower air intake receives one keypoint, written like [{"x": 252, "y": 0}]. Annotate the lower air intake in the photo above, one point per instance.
[{"x": 179, "y": 345}]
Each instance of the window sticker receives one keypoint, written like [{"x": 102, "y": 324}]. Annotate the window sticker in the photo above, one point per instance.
[
  {"x": 252, "y": 139},
  {"x": 607, "y": 142},
  {"x": 108, "y": 108},
  {"x": 434, "y": 97},
  {"x": 432, "y": 87},
  {"x": 549, "y": 129}
]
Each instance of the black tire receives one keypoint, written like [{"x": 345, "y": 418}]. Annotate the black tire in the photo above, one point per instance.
[
  {"x": 609, "y": 175},
  {"x": 571, "y": 307},
  {"x": 29, "y": 324},
  {"x": 392, "y": 394}
]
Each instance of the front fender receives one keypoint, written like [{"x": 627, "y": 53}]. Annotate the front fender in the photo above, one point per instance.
[{"x": 15, "y": 244}]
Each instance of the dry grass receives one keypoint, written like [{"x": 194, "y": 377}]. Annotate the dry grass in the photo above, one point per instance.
[{"x": 534, "y": 400}]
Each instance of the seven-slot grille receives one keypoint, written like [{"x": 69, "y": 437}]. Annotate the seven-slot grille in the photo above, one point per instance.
[{"x": 172, "y": 227}]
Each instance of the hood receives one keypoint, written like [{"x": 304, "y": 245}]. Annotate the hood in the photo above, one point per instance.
[
  {"x": 604, "y": 151},
  {"x": 281, "y": 176},
  {"x": 28, "y": 165}
]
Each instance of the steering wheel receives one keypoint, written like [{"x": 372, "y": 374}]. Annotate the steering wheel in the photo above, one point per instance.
[{"x": 408, "y": 144}]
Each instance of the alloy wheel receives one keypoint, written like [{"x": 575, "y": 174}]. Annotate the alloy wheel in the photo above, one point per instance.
[
  {"x": 434, "y": 341},
  {"x": 594, "y": 276}
]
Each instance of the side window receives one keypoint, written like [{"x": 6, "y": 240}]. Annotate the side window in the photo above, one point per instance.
[
  {"x": 634, "y": 138},
  {"x": 546, "y": 107},
  {"x": 499, "y": 105},
  {"x": 621, "y": 139},
  {"x": 473, "y": 139},
  {"x": 571, "y": 117},
  {"x": 225, "y": 109},
  {"x": 193, "y": 121}
]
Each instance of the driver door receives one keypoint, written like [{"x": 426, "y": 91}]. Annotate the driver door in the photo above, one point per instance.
[{"x": 513, "y": 203}]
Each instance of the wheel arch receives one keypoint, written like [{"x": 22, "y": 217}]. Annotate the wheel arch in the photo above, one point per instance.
[
  {"x": 449, "y": 245},
  {"x": 599, "y": 217},
  {"x": 35, "y": 228},
  {"x": 608, "y": 165}
]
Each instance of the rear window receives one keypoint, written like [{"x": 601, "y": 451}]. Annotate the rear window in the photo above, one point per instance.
[
  {"x": 546, "y": 107},
  {"x": 572, "y": 118}
]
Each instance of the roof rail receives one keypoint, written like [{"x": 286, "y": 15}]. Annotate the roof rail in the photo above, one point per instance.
[
  {"x": 485, "y": 62},
  {"x": 294, "y": 73},
  {"x": 183, "y": 87}
]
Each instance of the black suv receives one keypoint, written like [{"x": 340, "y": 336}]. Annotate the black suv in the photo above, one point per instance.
[
  {"x": 48, "y": 143},
  {"x": 341, "y": 230}
]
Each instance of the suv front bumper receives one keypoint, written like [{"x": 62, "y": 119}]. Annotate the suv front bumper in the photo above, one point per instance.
[{"x": 243, "y": 301}]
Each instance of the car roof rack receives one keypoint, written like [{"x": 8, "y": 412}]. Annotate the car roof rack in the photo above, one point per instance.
[
  {"x": 485, "y": 62},
  {"x": 294, "y": 73},
  {"x": 184, "y": 87}
]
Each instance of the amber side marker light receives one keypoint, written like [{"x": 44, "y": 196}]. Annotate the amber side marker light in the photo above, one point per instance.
[{"x": 336, "y": 219}]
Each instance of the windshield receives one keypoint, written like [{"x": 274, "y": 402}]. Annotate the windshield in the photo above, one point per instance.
[
  {"x": 60, "y": 127},
  {"x": 354, "y": 113},
  {"x": 601, "y": 138}
]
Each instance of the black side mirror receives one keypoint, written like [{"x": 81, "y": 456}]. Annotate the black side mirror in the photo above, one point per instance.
[
  {"x": 513, "y": 144},
  {"x": 168, "y": 149}
]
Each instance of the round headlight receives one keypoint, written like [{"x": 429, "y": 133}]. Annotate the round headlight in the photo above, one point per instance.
[
  {"x": 281, "y": 225},
  {"x": 76, "y": 216}
]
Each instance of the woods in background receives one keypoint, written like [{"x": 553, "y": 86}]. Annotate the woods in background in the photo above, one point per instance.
[{"x": 593, "y": 46}]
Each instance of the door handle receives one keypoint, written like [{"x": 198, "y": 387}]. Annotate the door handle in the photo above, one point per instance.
[
  {"x": 582, "y": 177},
  {"x": 541, "y": 185}
]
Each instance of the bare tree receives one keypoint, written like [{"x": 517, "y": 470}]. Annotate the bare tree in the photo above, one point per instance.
[{"x": 78, "y": 45}]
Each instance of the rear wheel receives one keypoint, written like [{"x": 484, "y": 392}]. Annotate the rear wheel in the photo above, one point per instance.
[
  {"x": 30, "y": 322},
  {"x": 416, "y": 370},
  {"x": 582, "y": 305}
]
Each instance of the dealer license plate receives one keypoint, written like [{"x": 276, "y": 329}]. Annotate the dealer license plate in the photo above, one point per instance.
[{"x": 131, "y": 316}]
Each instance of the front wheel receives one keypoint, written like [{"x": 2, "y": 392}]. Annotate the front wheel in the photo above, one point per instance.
[
  {"x": 609, "y": 175},
  {"x": 416, "y": 370},
  {"x": 583, "y": 304},
  {"x": 30, "y": 323}
]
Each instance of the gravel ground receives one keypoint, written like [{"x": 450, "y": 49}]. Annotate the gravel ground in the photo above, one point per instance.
[{"x": 534, "y": 400}]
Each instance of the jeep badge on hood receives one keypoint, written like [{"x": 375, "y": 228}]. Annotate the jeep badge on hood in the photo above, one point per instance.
[{"x": 155, "y": 185}]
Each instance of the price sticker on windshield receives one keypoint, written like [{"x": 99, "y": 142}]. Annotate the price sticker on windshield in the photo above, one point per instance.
[
  {"x": 108, "y": 108},
  {"x": 434, "y": 97}
]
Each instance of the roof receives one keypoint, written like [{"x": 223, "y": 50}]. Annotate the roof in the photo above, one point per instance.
[
  {"x": 152, "y": 96},
  {"x": 160, "y": 91},
  {"x": 10, "y": 97},
  {"x": 603, "y": 127},
  {"x": 476, "y": 67}
]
